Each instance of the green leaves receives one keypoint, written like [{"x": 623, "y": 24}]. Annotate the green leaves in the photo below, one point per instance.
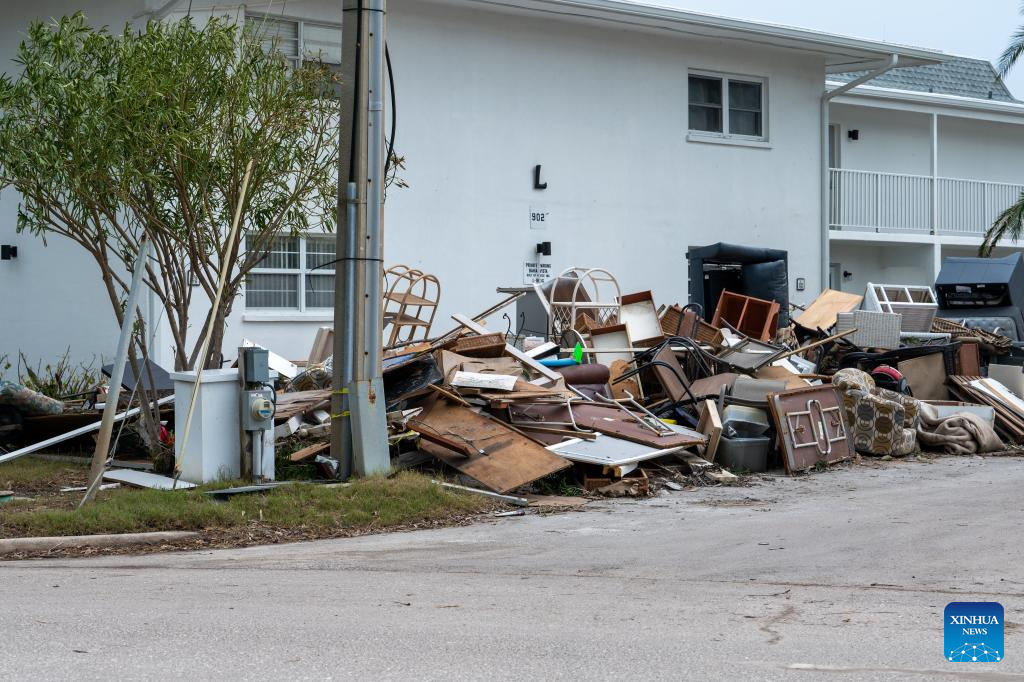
[{"x": 112, "y": 137}]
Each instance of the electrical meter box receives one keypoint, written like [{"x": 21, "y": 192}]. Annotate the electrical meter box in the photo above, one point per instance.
[
  {"x": 257, "y": 410},
  {"x": 254, "y": 365}
]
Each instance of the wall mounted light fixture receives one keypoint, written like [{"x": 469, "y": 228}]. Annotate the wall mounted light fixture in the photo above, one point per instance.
[
  {"x": 544, "y": 248},
  {"x": 8, "y": 251}
]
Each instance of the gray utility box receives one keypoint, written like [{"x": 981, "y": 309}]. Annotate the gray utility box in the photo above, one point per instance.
[
  {"x": 257, "y": 415},
  {"x": 253, "y": 363}
]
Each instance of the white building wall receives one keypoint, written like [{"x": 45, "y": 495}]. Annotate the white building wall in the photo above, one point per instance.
[
  {"x": 899, "y": 141},
  {"x": 51, "y": 297},
  {"x": 981, "y": 150},
  {"x": 484, "y": 96},
  {"x": 883, "y": 263},
  {"x": 889, "y": 140}
]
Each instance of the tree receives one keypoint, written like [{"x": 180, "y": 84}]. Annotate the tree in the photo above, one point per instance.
[
  {"x": 110, "y": 139},
  {"x": 1009, "y": 223}
]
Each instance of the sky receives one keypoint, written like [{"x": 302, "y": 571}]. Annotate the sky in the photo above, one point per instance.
[{"x": 980, "y": 28}]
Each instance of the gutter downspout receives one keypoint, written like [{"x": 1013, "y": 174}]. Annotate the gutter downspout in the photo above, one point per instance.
[{"x": 827, "y": 97}]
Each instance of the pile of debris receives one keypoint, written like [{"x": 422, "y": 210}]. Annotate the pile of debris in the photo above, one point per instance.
[{"x": 619, "y": 393}]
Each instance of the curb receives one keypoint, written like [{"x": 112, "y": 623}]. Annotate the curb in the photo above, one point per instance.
[{"x": 44, "y": 544}]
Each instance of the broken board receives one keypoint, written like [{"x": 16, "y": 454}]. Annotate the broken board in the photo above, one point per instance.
[
  {"x": 144, "y": 479},
  {"x": 710, "y": 424},
  {"x": 608, "y": 451},
  {"x": 811, "y": 427},
  {"x": 500, "y": 458}
]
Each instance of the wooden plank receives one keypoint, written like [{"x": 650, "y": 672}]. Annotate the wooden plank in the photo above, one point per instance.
[
  {"x": 822, "y": 312},
  {"x": 308, "y": 451},
  {"x": 710, "y": 424},
  {"x": 546, "y": 372},
  {"x": 493, "y": 382},
  {"x": 144, "y": 479},
  {"x": 300, "y": 402},
  {"x": 509, "y": 459},
  {"x": 702, "y": 466},
  {"x": 323, "y": 346}
]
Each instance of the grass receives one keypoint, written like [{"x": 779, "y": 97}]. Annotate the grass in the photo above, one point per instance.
[
  {"x": 27, "y": 475},
  {"x": 368, "y": 504}
]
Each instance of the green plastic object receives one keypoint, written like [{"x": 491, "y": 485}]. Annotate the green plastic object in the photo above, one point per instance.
[{"x": 577, "y": 353}]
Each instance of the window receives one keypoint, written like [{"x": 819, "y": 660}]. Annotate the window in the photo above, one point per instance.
[
  {"x": 298, "y": 40},
  {"x": 297, "y": 274},
  {"x": 727, "y": 106}
]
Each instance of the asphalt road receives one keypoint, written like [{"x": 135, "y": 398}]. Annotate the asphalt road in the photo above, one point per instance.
[{"x": 841, "y": 575}]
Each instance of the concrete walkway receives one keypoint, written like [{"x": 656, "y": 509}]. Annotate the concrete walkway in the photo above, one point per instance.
[{"x": 839, "y": 575}]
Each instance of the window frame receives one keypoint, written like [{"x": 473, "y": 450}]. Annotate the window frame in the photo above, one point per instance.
[
  {"x": 301, "y": 29},
  {"x": 725, "y": 135},
  {"x": 303, "y": 273}
]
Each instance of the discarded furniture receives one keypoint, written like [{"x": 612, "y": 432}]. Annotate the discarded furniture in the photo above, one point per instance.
[
  {"x": 410, "y": 303},
  {"x": 753, "y": 317},
  {"x": 811, "y": 427},
  {"x": 485, "y": 449},
  {"x": 747, "y": 270},
  {"x": 873, "y": 329},
  {"x": 882, "y": 422},
  {"x": 917, "y": 304},
  {"x": 576, "y": 292},
  {"x": 640, "y": 316},
  {"x": 983, "y": 287}
]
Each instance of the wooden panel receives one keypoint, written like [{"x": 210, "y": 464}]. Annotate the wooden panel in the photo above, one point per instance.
[
  {"x": 969, "y": 360},
  {"x": 497, "y": 456},
  {"x": 710, "y": 424},
  {"x": 822, "y": 312}
]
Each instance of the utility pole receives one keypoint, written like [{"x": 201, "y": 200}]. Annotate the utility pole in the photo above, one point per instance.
[{"x": 358, "y": 426}]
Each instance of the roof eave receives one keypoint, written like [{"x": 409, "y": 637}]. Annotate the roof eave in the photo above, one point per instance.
[
  {"x": 842, "y": 53},
  {"x": 939, "y": 99}
]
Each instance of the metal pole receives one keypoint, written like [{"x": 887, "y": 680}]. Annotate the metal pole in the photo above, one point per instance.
[
  {"x": 358, "y": 399},
  {"x": 99, "y": 456}
]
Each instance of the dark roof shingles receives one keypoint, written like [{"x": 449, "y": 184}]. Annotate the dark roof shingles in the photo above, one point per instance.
[{"x": 959, "y": 76}]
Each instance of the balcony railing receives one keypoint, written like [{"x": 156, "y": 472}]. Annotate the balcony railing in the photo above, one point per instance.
[{"x": 893, "y": 202}]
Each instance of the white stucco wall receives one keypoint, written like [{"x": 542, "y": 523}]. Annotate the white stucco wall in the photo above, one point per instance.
[
  {"x": 895, "y": 141},
  {"x": 890, "y": 141},
  {"x": 883, "y": 263},
  {"x": 482, "y": 98}
]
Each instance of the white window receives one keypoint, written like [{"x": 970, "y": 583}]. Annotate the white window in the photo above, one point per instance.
[
  {"x": 296, "y": 275},
  {"x": 298, "y": 40},
  {"x": 727, "y": 106}
]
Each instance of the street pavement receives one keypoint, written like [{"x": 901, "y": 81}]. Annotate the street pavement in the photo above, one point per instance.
[{"x": 838, "y": 575}]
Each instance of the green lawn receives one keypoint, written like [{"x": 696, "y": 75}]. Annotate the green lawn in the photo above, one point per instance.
[{"x": 368, "y": 504}]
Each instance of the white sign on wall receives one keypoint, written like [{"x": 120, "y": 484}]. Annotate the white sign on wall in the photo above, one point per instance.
[
  {"x": 536, "y": 272},
  {"x": 539, "y": 218}
]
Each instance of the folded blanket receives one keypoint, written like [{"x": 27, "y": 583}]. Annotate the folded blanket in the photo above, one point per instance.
[{"x": 959, "y": 434}]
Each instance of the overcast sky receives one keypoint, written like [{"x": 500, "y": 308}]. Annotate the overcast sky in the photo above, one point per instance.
[{"x": 980, "y": 28}]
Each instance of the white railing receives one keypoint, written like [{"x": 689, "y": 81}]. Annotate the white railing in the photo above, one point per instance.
[{"x": 894, "y": 202}]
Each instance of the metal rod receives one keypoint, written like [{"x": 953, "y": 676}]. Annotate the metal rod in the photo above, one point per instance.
[{"x": 99, "y": 457}]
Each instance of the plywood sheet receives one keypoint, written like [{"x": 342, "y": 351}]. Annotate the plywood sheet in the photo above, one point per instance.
[
  {"x": 822, "y": 312},
  {"x": 500, "y": 458}
]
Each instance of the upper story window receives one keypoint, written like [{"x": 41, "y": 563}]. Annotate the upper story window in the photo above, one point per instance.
[
  {"x": 296, "y": 275},
  {"x": 298, "y": 40},
  {"x": 727, "y": 106}
]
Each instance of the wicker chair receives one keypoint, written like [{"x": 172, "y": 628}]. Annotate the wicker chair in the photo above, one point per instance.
[{"x": 883, "y": 422}]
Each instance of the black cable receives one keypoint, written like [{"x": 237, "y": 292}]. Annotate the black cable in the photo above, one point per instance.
[{"x": 394, "y": 112}]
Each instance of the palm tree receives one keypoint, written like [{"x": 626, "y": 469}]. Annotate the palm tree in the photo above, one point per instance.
[{"x": 1011, "y": 221}]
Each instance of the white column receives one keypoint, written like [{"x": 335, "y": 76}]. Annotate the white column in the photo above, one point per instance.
[{"x": 935, "y": 174}]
